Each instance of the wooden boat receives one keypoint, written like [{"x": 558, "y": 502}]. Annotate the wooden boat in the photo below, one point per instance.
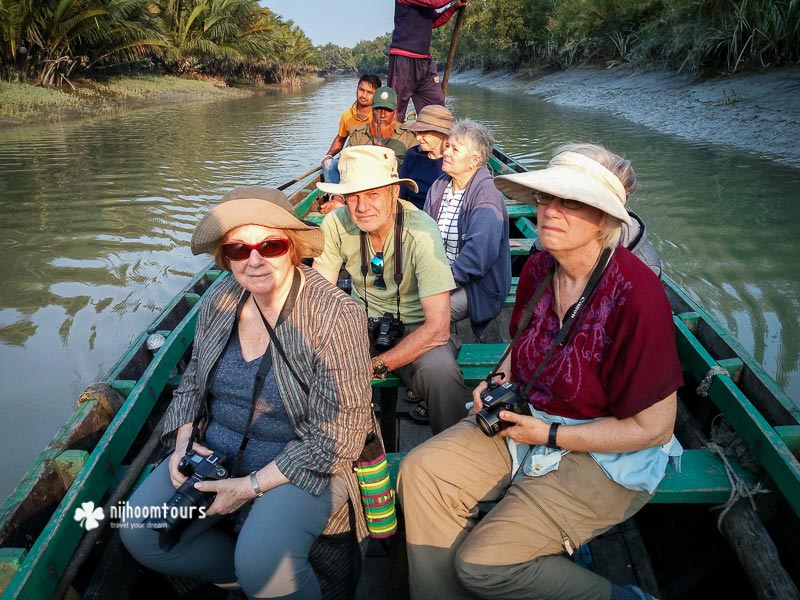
[{"x": 104, "y": 449}]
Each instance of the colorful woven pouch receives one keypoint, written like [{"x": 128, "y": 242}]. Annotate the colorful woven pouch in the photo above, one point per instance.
[{"x": 377, "y": 495}]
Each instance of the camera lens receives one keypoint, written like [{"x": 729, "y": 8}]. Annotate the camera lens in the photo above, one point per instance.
[{"x": 489, "y": 422}]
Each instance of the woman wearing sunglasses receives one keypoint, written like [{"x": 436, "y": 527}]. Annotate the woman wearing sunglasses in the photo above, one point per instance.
[
  {"x": 595, "y": 371},
  {"x": 279, "y": 385}
]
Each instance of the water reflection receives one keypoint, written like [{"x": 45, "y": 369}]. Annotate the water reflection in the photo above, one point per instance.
[{"x": 98, "y": 214}]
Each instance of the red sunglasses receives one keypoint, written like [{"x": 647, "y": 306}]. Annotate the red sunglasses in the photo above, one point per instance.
[{"x": 268, "y": 248}]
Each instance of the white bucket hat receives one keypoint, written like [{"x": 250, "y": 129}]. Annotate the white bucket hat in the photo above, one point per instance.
[
  {"x": 572, "y": 176},
  {"x": 255, "y": 205},
  {"x": 365, "y": 168}
]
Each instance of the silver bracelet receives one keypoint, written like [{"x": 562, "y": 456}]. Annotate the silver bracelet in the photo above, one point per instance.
[{"x": 254, "y": 483}]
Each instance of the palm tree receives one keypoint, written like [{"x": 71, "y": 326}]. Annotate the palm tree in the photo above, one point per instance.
[{"x": 47, "y": 40}]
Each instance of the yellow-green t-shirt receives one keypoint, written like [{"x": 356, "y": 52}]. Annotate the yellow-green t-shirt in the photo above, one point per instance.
[{"x": 426, "y": 271}]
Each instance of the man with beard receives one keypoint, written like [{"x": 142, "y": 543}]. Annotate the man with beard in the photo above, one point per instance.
[{"x": 356, "y": 115}]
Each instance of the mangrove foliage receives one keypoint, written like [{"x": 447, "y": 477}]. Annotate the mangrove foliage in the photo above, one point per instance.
[
  {"x": 52, "y": 41},
  {"x": 694, "y": 36}
]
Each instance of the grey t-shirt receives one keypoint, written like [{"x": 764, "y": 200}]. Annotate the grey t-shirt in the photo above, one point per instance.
[{"x": 230, "y": 398}]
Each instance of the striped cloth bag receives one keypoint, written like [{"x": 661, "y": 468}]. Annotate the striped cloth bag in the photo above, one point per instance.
[{"x": 377, "y": 494}]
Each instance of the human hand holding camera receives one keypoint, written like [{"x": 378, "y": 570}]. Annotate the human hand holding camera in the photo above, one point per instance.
[
  {"x": 477, "y": 401},
  {"x": 524, "y": 429},
  {"x": 231, "y": 494},
  {"x": 181, "y": 441}
]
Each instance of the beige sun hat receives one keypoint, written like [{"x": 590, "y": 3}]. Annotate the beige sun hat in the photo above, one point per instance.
[
  {"x": 572, "y": 176},
  {"x": 433, "y": 117},
  {"x": 365, "y": 168},
  {"x": 255, "y": 205}
]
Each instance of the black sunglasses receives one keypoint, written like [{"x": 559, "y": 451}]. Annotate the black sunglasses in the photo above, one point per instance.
[{"x": 377, "y": 267}]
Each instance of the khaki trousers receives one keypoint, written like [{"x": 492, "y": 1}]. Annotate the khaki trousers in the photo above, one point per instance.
[{"x": 515, "y": 551}]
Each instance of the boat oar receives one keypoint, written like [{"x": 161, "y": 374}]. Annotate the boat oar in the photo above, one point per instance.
[
  {"x": 453, "y": 43},
  {"x": 283, "y": 186}
]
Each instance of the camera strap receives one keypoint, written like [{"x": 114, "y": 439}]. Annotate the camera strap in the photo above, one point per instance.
[
  {"x": 398, "y": 257},
  {"x": 526, "y": 316}
]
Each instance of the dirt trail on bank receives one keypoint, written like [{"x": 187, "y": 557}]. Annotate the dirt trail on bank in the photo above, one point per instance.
[{"x": 756, "y": 112}]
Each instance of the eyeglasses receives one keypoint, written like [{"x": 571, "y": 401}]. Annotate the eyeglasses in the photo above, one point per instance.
[
  {"x": 268, "y": 248},
  {"x": 547, "y": 199},
  {"x": 377, "y": 267}
]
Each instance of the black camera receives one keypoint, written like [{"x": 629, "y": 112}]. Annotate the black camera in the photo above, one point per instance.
[
  {"x": 187, "y": 503},
  {"x": 385, "y": 331},
  {"x": 499, "y": 397}
]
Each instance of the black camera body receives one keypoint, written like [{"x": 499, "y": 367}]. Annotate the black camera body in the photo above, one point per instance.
[
  {"x": 179, "y": 510},
  {"x": 497, "y": 397},
  {"x": 385, "y": 331}
]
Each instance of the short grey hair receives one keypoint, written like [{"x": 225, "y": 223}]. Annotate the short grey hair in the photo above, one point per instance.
[{"x": 475, "y": 135}]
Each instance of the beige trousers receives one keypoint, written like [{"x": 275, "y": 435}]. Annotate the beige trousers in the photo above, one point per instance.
[{"x": 515, "y": 551}]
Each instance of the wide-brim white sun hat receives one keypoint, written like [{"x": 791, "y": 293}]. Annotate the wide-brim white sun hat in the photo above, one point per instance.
[
  {"x": 572, "y": 176},
  {"x": 365, "y": 168},
  {"x": 255, "y": 205}
]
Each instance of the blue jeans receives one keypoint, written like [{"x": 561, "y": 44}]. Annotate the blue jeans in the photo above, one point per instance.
[
  {"x": 330, "y": 170},
  {"x": 269, "y": 558}
]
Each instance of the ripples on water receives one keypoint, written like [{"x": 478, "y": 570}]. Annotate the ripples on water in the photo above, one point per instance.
[{"x": 98, "y": 215}]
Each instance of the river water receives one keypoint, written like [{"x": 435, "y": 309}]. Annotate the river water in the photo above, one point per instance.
[{"x": 98, "y": 214}]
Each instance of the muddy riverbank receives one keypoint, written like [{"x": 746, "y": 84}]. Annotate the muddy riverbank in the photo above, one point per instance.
[{"x": 755, "y": 112}]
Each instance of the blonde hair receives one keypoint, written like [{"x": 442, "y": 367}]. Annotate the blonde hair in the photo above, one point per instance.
[
  {"x": 621, "y": 167},
  {"x": 224, "y": 264}
]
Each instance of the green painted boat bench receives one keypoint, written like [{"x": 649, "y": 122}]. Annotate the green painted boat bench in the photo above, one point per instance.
[{"x": 703, "y": 478}]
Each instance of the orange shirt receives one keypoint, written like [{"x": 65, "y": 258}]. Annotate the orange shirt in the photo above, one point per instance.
[{"x": 349, "y": 120}]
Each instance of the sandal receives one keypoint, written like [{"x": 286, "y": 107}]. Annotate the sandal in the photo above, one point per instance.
[
  {"x": 411, "y": 397},
  {"x": 420, "y": 412}
]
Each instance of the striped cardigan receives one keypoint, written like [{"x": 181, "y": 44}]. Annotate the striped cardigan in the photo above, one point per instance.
[{"x": 325, "y": 339}]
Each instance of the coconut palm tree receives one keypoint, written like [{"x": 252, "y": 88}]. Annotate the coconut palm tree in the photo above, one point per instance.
[{"x": 47, "y": 40}]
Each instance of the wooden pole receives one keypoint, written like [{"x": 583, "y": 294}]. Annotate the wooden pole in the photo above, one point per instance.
[
  {"x": 283, "y": 186},
  {"x": 453, "y": 43},
  {"x": 743, "y": 530}
]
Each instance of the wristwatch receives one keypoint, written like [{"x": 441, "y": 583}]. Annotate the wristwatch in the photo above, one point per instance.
[
  {"x": 379, "y": 368},
  {"x": 254, "y": 484}
]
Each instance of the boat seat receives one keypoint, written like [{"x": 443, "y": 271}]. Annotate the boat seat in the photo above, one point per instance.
[{"x": 703, "y": 478}]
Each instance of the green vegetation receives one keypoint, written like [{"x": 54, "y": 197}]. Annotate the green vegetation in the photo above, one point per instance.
[
  {"x": 21, "y": 102},
  {"x": 52, "y": 42},
  {"x": 686, "y": 35}
]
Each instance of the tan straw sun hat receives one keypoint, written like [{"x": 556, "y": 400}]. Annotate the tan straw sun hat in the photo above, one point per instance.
[
  {"x": 572, "y": 176},
  {"x": 432, "y": 118},
  {"x": 255, "y": 205},
  {"x": 365, "y": 168}
]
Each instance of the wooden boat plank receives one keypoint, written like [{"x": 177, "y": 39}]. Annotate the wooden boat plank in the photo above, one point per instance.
[
  {"x": 50, "y": 554},
  {"x": 753, "y": 428},
  {"x": 38, "y": 487},
  {"x": 516, "y": 211},
  {"x": 68, "y": 464},
  {"x": 770, "y": 400},
  {"x": 790, "y": 434},
  {"x": 10, "y": 560}
]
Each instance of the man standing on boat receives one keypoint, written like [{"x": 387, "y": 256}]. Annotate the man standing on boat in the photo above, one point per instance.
[
  {"x": 412, "y": 72},
  {"x": 395, "y": 255},
  {"x": 355, "y": 116}
]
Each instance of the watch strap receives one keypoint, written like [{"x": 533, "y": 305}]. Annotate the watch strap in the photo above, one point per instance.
[
  {"x": 254, "y": 483},
  {"x": 551, "y": 436}
]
